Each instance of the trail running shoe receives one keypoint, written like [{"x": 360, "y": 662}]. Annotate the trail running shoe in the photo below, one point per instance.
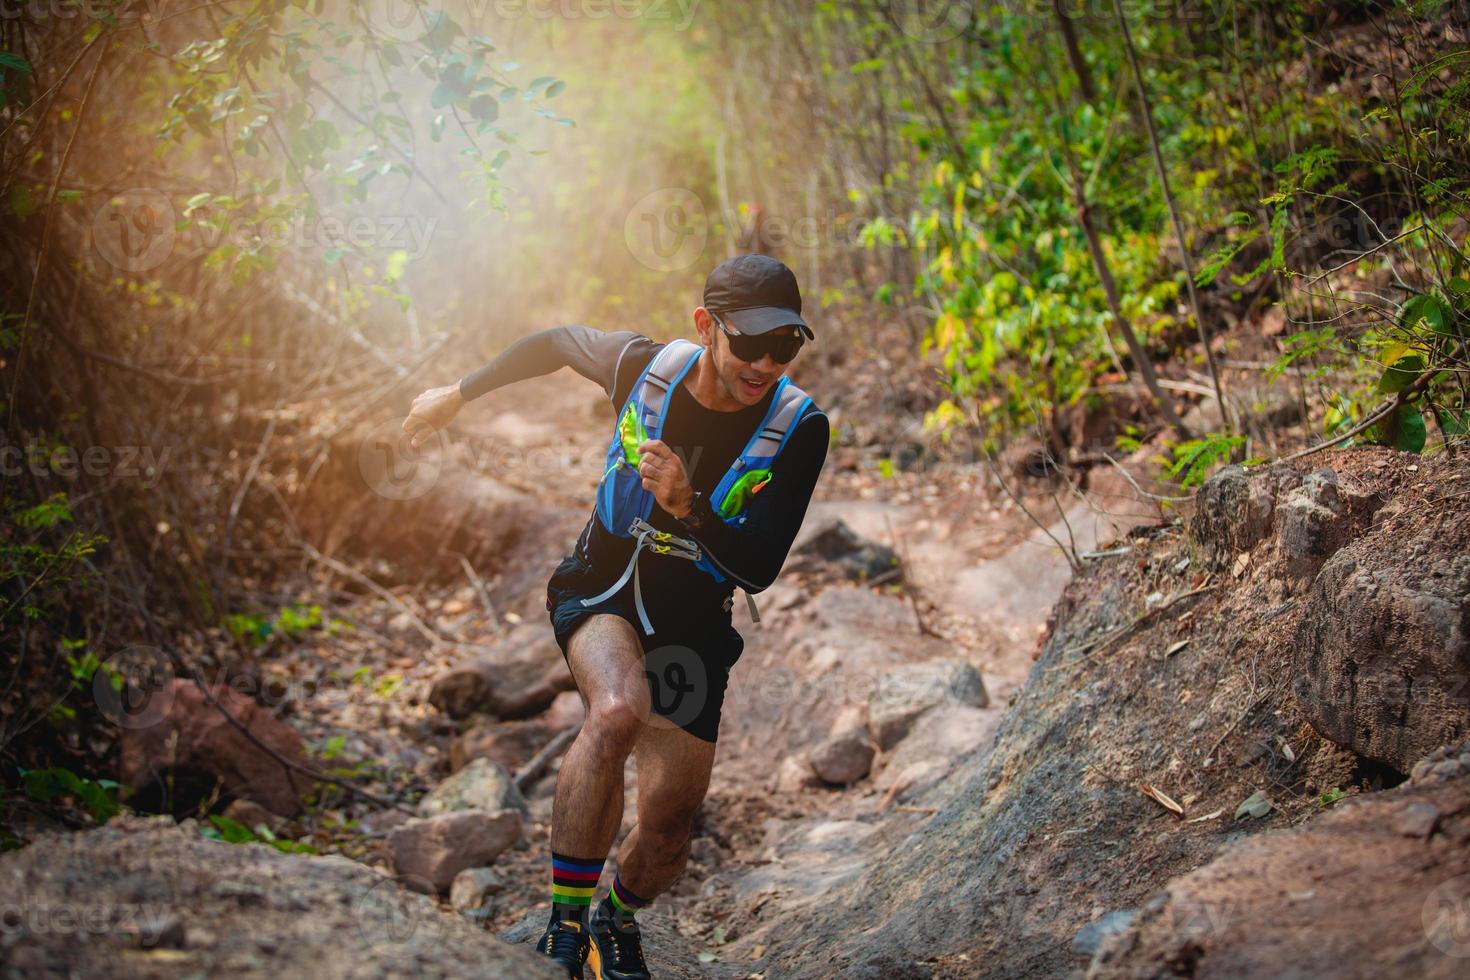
[
  {"x": 617, "y": 951},
  {"x": 565, "y": 941}
]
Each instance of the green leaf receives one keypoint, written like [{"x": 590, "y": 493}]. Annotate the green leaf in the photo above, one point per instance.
[
  {"x": 1404, "y": 430},
  {"x": 396, "y": 264},
  {"x": 331, "y": 255},
  {"x": 1258, "y": 804},
  {"x": 1453, "y": 424},
  {"x": 485, "y": 108},
  {"x": 14, "y": 62},
  {"x": 1428, "y": 309},
  {"x": 1401, "y": 373},
  {"x": 232, "y": 831},
  {"x": 20, "y": 200},
  {"x": 555, "y": 89}
]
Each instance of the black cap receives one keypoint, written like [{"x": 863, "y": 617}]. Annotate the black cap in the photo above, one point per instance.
[{"x": 755, "y": 294}]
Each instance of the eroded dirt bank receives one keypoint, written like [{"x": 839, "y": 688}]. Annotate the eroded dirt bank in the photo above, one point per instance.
[{"x": 916, "y": 778}]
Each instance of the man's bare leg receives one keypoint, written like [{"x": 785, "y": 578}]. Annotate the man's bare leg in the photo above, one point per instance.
[
  {"x": 606, "y": 659},
  {"x": 673, "y": 777}
]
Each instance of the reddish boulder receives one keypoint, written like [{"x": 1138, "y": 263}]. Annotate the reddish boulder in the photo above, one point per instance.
[{"x": 192, "y": 734}]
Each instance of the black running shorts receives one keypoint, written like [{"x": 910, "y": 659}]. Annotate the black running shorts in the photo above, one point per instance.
[{"x": 687, "y": 664}]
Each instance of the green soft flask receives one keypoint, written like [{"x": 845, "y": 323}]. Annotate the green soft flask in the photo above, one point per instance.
[
  {"x": 630, "y": 428},
  {"x": 747, "y": 486}
]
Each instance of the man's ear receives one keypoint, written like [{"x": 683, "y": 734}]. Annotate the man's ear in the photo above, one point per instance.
[{"x": 705, "y": 324}]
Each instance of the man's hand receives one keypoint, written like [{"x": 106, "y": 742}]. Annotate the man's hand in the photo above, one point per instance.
[
  {"x": 663, "y": 473},
  {"x": 432, "y": 411}
]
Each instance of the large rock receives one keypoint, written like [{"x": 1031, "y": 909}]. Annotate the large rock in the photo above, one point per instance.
[
  {"x": 1232, "y": 513},
  {"x": 1382, "y": 653},
  {"x": 857, "y": 557},
  {"x": 1367, "y": 890},
  {"x": 191, "y": 736},
  {"x": 509, "y": 744},
  {"x": 509, "y": 686},
  {"x": 480, "y": 785},
  {"x": 106, "y": 901},
  {"x": 903, "y": 695},
  {"x": 1314, "y": 523},
  {"x": 429, "y": 853}
]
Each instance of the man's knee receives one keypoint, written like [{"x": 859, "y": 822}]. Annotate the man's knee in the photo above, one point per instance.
[{"x": 614, "y": 720}]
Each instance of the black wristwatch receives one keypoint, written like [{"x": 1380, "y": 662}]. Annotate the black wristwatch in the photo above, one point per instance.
[{"x": 699, "y": 512}]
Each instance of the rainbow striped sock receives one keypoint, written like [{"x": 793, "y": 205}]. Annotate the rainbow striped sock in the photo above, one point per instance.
[
  {"x": 573, "y": 881},
  {"x": 622, "y": 904}
]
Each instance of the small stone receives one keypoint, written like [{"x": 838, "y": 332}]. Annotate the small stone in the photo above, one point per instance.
[
  {"x": 473, "y": 886},
  {"x": 480, "y": 785},
  {"x": 1092, "y": 935},
  {"x": 429, "y": 853},
  {"x": 1447, "y": 768},
  {"x": 901, "y": 696},
  {"x": 1417, "y": 820},
  {"x": 844, "y": 758},
  {"x": 792, "y": 776}
]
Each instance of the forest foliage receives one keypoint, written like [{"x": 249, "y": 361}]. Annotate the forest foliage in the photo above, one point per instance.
[{"x": 973, "y": 188}]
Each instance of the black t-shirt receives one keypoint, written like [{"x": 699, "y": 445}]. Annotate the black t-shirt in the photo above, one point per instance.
[{"x": 708, "y": 441}]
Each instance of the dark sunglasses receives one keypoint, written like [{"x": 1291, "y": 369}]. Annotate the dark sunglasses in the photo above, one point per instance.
[{"x": 752, "y": 348}]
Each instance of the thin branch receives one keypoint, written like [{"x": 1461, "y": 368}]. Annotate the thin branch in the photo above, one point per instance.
[{"x": 1146, "y": 108}]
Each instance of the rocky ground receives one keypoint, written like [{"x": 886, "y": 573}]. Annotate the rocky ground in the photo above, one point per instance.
[{"x": 943, "y": 753}]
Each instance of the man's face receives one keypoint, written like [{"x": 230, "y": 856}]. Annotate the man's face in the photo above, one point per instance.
[{"x": 745, "y": 382}]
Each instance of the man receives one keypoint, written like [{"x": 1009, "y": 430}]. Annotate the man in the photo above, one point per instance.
[{"x": 710, "y": 468}]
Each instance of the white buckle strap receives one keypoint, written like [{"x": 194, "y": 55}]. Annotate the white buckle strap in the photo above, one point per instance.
[{"x": 663, "y": 543}]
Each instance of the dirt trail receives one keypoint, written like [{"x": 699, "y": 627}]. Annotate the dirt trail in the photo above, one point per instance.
[{"x": 515, "y": 481}]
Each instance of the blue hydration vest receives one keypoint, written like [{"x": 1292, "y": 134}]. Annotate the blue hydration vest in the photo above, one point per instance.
[{"x": 623, "y": 505}]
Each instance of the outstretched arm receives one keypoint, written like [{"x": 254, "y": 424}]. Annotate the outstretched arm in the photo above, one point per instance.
[{"x": 591, "y": 353}]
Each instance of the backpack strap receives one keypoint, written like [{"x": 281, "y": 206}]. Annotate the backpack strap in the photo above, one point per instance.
[
  {"x": 668, "y": 368},
  {"x": 767, "y": 441}
]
